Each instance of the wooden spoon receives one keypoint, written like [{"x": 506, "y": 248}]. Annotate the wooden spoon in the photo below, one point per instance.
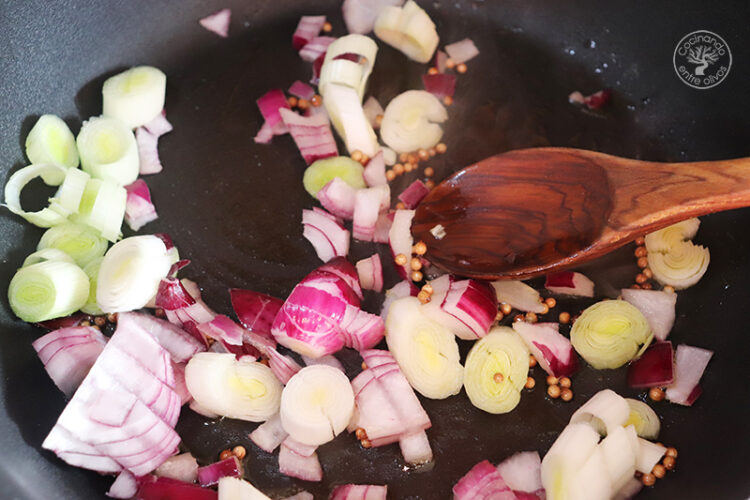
[{"x": 532, "y": 211}]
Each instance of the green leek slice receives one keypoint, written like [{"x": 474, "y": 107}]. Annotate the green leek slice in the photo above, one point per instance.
[
  {"x": 108, "y": 150},
  {"x": 135, "y": 96},
  {"x": 48, "y": 290},
  {"x": 81, "y": 242},
  {"x": 52, "y": 175},
  {"x": 51, "y": 141}
]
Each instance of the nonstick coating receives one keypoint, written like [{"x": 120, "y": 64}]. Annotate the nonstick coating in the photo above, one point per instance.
[{"x": 233, "y": 207}]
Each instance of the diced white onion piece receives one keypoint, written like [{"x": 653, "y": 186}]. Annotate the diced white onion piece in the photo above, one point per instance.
[
  {"x": 70, "y": 193},
  {"x": 47, "y": 290},
  {"x": 522, "y": 471},
  {"x": 360, "y": 15},
  {"x": 316, "y": 404},
  {"x": 130, "y": 273},
  {"x": 345, "y": 72},
  {"x": 218, "y": 22},
  {"x": 591, "y": 481},
  {"x": 663, "y": 240},
  {"x": 348, "y": 117},
  {"x": 51, "y": 141},
  {"x": 234, "y": 488},
  {"x": 372, "y": 109},
  {"x": 134, "y": 96},
  {"x": 519, "y": 295},
  {"x": 412, "y": 121},
  {"x": 656, "y": 306},
  {"x": 246, "y": 390},
  {"x": 643, "y": 418},
  {"x": 568, "y": 454},
  {"x": 649, "y": 455},
  {"x": 408, "y": 29},
  {"x": 80, "y": 242},
  {"x": 102, "y": 208},
  {"x": 619, "y": 450},
  {"x": 426, "y": 351},
  {"x": 53, "y": 175},
  {"x": 462, "y": 51},
  {"x": 682, "y": 267},
  {"x": 604, "y": 411},
  {"x": 400, "y": 238},
  {"x": 108, "y": 150},
  {"x": 92, "y": 271},
  {"x": 689, "y": 364},
  {"x": 47, "y": 254}
]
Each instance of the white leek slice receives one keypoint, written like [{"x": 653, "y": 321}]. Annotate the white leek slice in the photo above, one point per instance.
[
  {"x": 108, "y": 150},
  {"x": 316, "y": 404},
  {"x": 52, "y": 175},
  {"x": 426, "y": 351},
  {"x": 102, "y": 208},
  {"x": 51, "y": 141},
  {"x": 496, "y": 371},
  {"x": 411, "y": 121},
  {"x": 608, "y": 334},
  {"x": 604, "y": 411},
  {"x": 48, "y": 290},
  {"x": 69, "y": 194},
  {"x": 234, "y": 488},
  {"x": 649, "y": 455},
  {"x": 643, "y": 418},
  {"x": 82, "y": 243},
  {"x": 345, "y": 109},
  {"x": 408, "y": 29},
  {"x": 92, "y": 271},
  {"x": 130, "y": 273},
  {"x": 664, "y": 239},
  {"x": 683, "y": 266},
  {"x": 222, "y": 384},
  {"x": 45, "y": 255},
  {"x": 590, "y": 481},
  {"x": 345, "y": 72},
  {"x": 619, "y": 450},
  {"x": 570, "y": 451},
  {"x": 134, "y": 96}
]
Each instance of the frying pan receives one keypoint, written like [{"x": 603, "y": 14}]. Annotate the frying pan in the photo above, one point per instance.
[{"x": 233, "y": 207}]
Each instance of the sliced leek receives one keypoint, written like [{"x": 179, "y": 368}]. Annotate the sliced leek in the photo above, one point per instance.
[
  {"x": 102, "y": 208},
  {"x": 134, "y": 96},
  {"x": 411, "y": 121},
  {"x": 426, "y": 351},
  {"x": 664, "y": 239},
  {"x": 570, "y": 451},
  {"x": 69, "y": 194},
  {"x": 683, "y": 266},
  {"x": 345, "y": 72},
  {"x": 108, "y": 150},
  {"x": 82, "y": 243},
  {"x": 47, "y": 290},
  {"x": 348, "y": 117},
  {"x": 408, "y": 29},
  {"x": 45, "y": 255},
  {"x": 316, "y": 404},
  {"x": 608, "y": 334},
  {"x": 643, "y": 418},
  {"x": 604, "y": 411},
  {"x": 52, "y": 175},
  {"x": 323, "y": 171},
  {"x": 222, "y": 384},
  {"x": 619, "y": 450},
  {"x": 496, "y": 370},
  {"x": 92, "y": 271},
  {"x": 51, "y": 141}
]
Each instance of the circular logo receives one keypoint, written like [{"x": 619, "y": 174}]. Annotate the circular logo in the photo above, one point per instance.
[{"x": 702, "y": 59}]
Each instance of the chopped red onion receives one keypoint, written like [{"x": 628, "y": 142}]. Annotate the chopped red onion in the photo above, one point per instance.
[
  {"x": 172, "y": 295},
  {"x": 373, "y": 109},
  {"x": 398, "y": 291},
  {"x": 125, "y": 486},
  {"x": 316, "y": 66},
  {"x": 400, "y": 239},
  {"x": 181, "y": 467},
  {"x": 269, "y": 435},
  {"x": 180, "y": 387},
  {"x": 69, "y": 353},
  {"x": 462, "y": 50},
  {"x": 270, "y": 105},
  {"x": 690, "y": 363},
  {"x": 383, "y": 227},
  {"x": 362, "y": 330},
  {"x": 282, "y": 366},
  {"x": 181, "y": 345},
  {"x": 482, "y": 482},
  {"x": 312, "y": 134},
  {"x": 223, "y": 328},
  {"x": 302, "y": 467},
  {"x": 66, "y": 321},
  {"x": 307, "y": 29},
  {"x": 370, "y": 271},
  {"x": 368, "y": 204},
  {"x": 414, "y": 194},
  {"x": 657, "y": 307},
  {"x": 327, "y": 236},
  {"x": 415, "y": 448},
  {"x": 471, "y": 306},
  {"x": 301, "y": 449},
  {"x": 301, "y": 90},
  {"x": 441, "y": 60},
  {"x": 315, "y": 48},
  {"x": 440, "y": 85},
  {"x": 655, "y": 367},
  {"x": 360, "y": 15},
  {"x": 598, "y": 100},
  {"x": 522, "y": 471},
  {"x": 209, "y": 475},
  {"x": 218, "y": 22},
  {"x": 553, "y": 351},
  {"x": 338, "y": 198},
  {"x": 302, "y": 495},
  {"x": 569, "y": 283},
  {"x": 256, "y": 311},
  {"x": 264, "y": 135},
  {"x": 537, "y": 495},
  {"x": 359, "y": 492},
  {"x": 148, "y": 152},
  {"x": 159, "y": 125},
  {"x": 375, "y": 171},
  {"x": 165, "y": 488},
  {"x": 344, "y": 270},
  {"x": 328, "y": 360},
  {"x": 139, "y": 210}
]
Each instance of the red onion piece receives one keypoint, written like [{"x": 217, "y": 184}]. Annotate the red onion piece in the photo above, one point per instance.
[
  {"x": 368, "y": 203},
  {"x": 362, "y": 330},
  {"x": 598, "y": 100},
  {"x": 383, "y": 228},
  {"x": 307, "y": 28},
  {"x": 482, "y": 482},
  {"x": 327, "y": 236},
  {"x": 180, "y": 387},
  {"x": 360, "y": 15},
  {"x": 400, "y": 238},
  {"x": 657, "y": 307},
  {"x": 440, "y": 85},
  {"x": 346, "y": 271},
  {"x": 553, "y": 351},
  {"x": 209, "y": 475},
  {"x": 270, "y": 105},
  {"x": 441, "y": 59},
  {"x": 462, "y": 51},
  {"x": 370, "y": 271},
  {"x": 655, "y": 367},
  {"x": 148, "y": 151},
  {"x": 338, "y": 198},
  {"x": 522, "y": 472},
  {"x": 537, "y": 495},
  {"x": 218, "y": 22},
  {"x": 223, "y": 328},
  {"x": 569, "y": 283},
  {"x": 181, "y": 345},
  {"x": 66, "y": 321},
  {"x": 264, "y": 135},
  {"x": 471, "y": 305},
  {"x": 139, "y": 210},
  {"x": 301, "y": 449},
  {"x": 415, "y": 448},
  {"x": 374, "y": 173},
  {"x": 414, "y": 194},
  {"x": 125, "y": 486},
  {"x": 68, "y": 354},
  {"x": 181, "y": 467},
  {"x": 165, "y": 488},
  {"x": 282, "y": 366},
  {"x": 315, "y": 48},
  {"x": 359, "y": 492},
  {"x": 159, "y": 125},
  {"x": 302, "y": 467},
  {"x": 269, "y": 435},
  {"x": 172, "y": 295},
  {"x": 328, "y": 360},
  {"x": 372, "y": 109},
  {"x": 302, "y": 495},
  {"x": 690, "y": 363},
  {"x": 312, "y": 134},
  {"x": 256, "y": 311},
  {"x": 317, "y": 64},
  {"x": 301, "y": 90}
]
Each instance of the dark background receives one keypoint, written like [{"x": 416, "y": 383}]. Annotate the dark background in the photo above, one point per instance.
[{"x": 233, "y": 207}]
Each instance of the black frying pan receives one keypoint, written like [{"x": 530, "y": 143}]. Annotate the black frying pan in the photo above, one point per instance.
[{"x": 234, "y": 207}]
